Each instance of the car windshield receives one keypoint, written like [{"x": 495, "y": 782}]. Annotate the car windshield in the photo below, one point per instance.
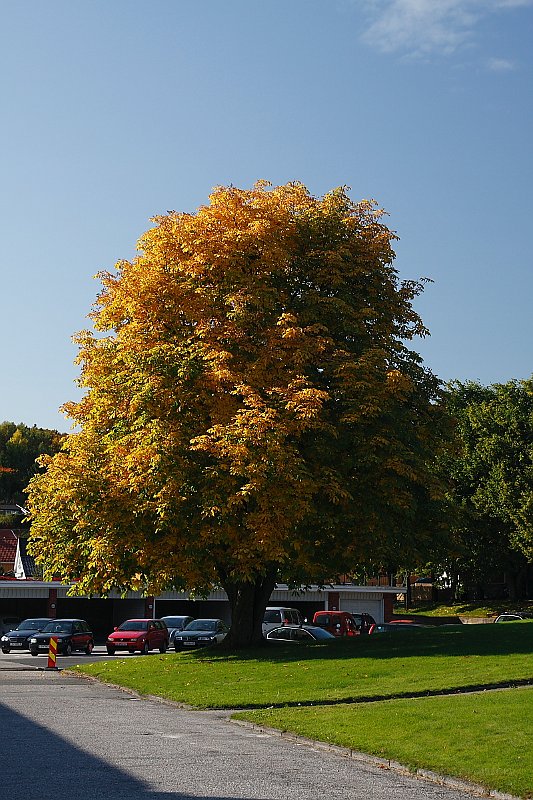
[
  {"x": 272, "y": 616},
  {"x": 32, "y": 625},
  {"x": 202, "y": 625},
  {"x": 134, "y": 625},
  {"x": 319, "y": 633},
  {"x": 174, "y": 622},
  {"x": 58, "y": 627}
]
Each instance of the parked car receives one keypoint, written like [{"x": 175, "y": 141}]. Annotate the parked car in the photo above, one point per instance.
[
  {"x": 19, "y": 637},
  {"x": 275, "y": 616},
  {"x": 200, "y": 633},
  {"x": 513, "y": 616},
  {"x": 300, "y": 634},
  {"x": 344, "y": 623},
  {"x": 138, "y": 634},
  {"x": 175, "y": 624},
  {"x": 8, "y": 623},
  {"x": 71, "y": 634},
  {"x": 394, "y": 627}
]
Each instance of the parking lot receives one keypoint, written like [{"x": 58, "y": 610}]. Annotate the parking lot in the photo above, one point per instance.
[
  {"x": 87, "y": 741},
  {"x": 24, "y": 660}
]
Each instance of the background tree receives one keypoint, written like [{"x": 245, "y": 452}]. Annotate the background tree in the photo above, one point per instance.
[
  {"x": 491, "y": 475},
  {"x": 252, "y": 412},
  {"x": 20, "y": 446}
]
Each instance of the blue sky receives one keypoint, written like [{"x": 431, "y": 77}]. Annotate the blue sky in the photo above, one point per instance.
[{"x": 113, "y": 112}]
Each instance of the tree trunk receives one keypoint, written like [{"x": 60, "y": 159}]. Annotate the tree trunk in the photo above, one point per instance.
[{"x": 247, "y": 602}]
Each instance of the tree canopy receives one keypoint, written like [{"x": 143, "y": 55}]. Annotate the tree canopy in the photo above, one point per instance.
[
  {"x": 20, "y": 446},
  {"x": 490, "y": 474},
  {"x": 252, "y": 411}
]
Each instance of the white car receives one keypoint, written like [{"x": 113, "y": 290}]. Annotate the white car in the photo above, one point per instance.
[{"x": 279, "y": 615}]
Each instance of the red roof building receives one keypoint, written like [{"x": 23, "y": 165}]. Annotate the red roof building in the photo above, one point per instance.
[{"x": 8, "y": 550}]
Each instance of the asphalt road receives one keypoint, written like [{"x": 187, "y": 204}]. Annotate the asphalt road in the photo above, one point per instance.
[
  {"x": 25, "y": 659},
  {"x": 64, "y": 736}
]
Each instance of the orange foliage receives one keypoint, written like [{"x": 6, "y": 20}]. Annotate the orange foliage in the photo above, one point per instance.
[{"x": 250, "y": 403}]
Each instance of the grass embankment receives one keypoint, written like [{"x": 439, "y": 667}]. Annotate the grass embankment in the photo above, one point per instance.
[
  {"x": 486, "y": 738},
  {"x": 384, "y": 665},
  {"x": 457, "y": 610}
]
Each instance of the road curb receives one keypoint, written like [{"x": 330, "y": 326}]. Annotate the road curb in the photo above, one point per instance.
[{"x": 448, "y": 781}]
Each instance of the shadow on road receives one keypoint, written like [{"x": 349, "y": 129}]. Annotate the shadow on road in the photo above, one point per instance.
[{"x": 37, "y": 762}]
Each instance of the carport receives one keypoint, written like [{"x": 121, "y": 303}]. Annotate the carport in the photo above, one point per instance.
[{"x": 31, "y": 598}]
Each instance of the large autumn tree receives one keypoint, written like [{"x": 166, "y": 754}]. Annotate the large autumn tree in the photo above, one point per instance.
[{"x": 252, "y": 412}]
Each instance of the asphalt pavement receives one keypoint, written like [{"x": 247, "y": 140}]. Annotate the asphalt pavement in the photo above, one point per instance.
[{"x": 65, "y": 736}]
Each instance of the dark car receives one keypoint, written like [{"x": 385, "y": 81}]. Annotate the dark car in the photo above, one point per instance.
[
  {"x": 200, "y": 633},
  {"x": 18, "y": 638},
  {"x": 513, "y": 616},
  {"x": 139, "y": 634},
  {"x": 398, "y": 627},
  {"x": 175, "y": 624},
  {"x": 301, "y": 634},
  {"x": 71, "y": 634}
]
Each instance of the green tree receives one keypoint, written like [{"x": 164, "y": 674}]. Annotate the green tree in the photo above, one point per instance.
[
  {"x": 20, "y": 446},
  {"x": 491, "y": 475},
  {"x": 252, "y": 411}
]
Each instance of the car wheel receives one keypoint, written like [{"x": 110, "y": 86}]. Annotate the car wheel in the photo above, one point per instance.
[
  {"x": 110, "y": 651},
  {"x": 6, "y": 650},
  {"x": 146, "y": 649},
  {"x": 163, "y": 648},
  {"x": 89, "y": 648},
  {"x": 34, "y": 652},
  {"x": 67, "y": 649}
]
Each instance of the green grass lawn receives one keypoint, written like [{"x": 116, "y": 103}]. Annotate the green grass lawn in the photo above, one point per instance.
[
  {"x": 383, "y": 665},
  {"x": 486, "y": 738},
  {"x": 486, "y": 609}
]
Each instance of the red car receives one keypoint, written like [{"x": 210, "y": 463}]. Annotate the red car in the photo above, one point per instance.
[
  {"x": 139, "y": 634},
  {"x": 342, "y": 623}
]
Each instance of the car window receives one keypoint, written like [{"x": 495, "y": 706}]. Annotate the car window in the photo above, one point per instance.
[
  {"x": 202, "y": 625},
  {"x": 280, "y": 633},
  {"x": 320, "y": 633},
  {"x": 134, "y": 625},
  {"x": 299, "y": 635},
  {"x": 58, "y": 627},
  {"x": 272, "y": 616},
  {"x": 32, "y": 624},
  {"x": 176, "y": 622}
]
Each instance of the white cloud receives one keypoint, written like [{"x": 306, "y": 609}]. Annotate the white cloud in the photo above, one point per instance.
[
  {"x": 421, "y": 27},
  {"x": 500, "y": 65}
]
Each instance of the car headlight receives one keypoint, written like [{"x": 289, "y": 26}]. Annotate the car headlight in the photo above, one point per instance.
[
  {"x": 33, "y": 641},
  {"x": 5, "y": 638},
  {"x": 205, "y": 638}
]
